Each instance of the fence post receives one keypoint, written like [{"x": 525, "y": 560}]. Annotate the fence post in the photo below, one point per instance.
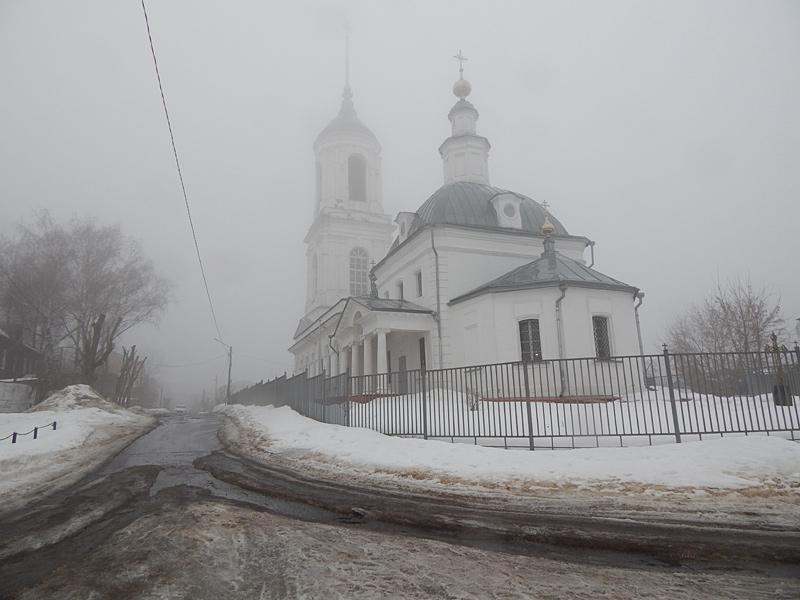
[
  {"x": 423, "y": 372},
  {"x": 324, "y": 419},
  {"x": 528, "y": 403},
  {"x": 347, "y": 397},
  {"x": 672, "y": 397}
]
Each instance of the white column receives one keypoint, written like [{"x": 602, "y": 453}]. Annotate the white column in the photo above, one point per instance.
[
  {"x": 334, "y": 364},
  {"x": 369, "y": 366},
  {"x": 382, "y": 366},
  {"x": 356, "y": 369}
]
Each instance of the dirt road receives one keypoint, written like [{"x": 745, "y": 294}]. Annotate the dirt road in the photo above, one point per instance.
[{"x": 152, "y": 524}]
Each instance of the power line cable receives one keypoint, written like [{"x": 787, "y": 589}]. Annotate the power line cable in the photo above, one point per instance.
[
  {"x": 194, "y": 364},
  {"x": 180, "y": 173}
]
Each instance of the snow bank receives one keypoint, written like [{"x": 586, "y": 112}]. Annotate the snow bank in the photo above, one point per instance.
[
  {"x": 89, "y": 430},
  {"x": 732, "y": 462}
]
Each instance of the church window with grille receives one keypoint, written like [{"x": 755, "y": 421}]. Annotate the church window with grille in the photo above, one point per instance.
[
  {"x": 359, "y": 272},
  {"x": 357, "y": 178},
  {"x": 530, "y": 341},
  {"x": 602, "y": 342}
]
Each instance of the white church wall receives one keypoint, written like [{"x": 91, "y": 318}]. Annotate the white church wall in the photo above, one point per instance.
[
  {"x": 472, "y": 332},
  {"x": 580, "y": 304},
  {"x": 467, "y": 259},
  {"x": 494, "y": 320},
  {"x": 403, "y": 266},
  {"x": 476, "y": 257}
]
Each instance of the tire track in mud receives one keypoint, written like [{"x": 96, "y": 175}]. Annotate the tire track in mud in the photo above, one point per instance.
[{"x": 565, "y": 535}]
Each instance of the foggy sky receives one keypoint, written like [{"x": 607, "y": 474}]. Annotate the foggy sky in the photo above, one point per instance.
[{"x": 667, "y": 132}]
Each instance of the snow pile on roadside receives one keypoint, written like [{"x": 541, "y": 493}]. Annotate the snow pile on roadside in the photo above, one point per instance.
[
  {"x": 75, "y": 396},
  {"x": 732, "y": 462},
  {"x": 89, "y": 430}
]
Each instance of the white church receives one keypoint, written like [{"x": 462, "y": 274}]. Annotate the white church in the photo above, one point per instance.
[{"x": 476, "y": 275}]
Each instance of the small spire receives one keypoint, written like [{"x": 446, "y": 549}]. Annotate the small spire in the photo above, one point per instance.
[
  {"x": 549, "y": 243},
  {"x": 547, "y": 227},
  {"x": 347, "y": 57},
  {"x": 347, "y": 109}
]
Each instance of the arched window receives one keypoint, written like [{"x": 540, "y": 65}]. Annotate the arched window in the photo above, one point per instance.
[
  {"x": 357, "y": 178},
  {"x": 359, "y": 272}
]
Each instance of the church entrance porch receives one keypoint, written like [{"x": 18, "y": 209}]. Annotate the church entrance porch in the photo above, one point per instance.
[{"x": 385, "y": 361}]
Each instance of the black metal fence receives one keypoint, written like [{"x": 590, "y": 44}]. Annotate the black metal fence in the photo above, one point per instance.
[{"x": 568, "y": 403}]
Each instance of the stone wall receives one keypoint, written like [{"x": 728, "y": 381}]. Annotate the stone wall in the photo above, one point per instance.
[{"x": 16, "y": 397}]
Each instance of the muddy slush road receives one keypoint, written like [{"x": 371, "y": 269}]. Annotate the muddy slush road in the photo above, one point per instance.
[{"x": 173, "y": 516}]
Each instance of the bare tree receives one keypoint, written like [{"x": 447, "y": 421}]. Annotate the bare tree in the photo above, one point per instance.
[
  {"x": 82, "y": 284},
  {"x": 132, "y": 366},
  {"x": 734, "y": 318},
  {"x": 33, "y": 281}
]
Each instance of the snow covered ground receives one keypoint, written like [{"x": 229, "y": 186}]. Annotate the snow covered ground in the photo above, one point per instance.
[
  {"x": 89, "y": 430},
  {"x": 732, "y": 463},
  {"x": 454, "y": 414}
]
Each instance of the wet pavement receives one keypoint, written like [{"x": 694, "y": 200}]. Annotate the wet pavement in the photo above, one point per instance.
[
  {"x": 176, "y": 444},
  {"x": 173, "y": 516}
]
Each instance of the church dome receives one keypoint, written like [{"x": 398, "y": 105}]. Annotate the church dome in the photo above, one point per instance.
[
  {"x": 469, "y": 204},
  {"x": 346, "y": 121}
]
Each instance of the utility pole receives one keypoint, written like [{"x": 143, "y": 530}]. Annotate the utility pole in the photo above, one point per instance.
[{"x": 230, "y": 363}]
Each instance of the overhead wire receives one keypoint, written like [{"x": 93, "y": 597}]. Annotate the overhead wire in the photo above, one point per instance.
[
  {"x": 193, "y": 364},
  {"x": 180, "y": 173}
]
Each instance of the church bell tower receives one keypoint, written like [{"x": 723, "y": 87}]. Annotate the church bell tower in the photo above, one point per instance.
[{"x": 350, "y": 231}]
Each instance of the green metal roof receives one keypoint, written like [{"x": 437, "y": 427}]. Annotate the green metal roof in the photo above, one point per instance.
[
  {"x": 548, "y": 271},
  {"x": 469, "y": 204}
]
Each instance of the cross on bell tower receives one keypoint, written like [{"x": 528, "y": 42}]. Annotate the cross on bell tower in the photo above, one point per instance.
[{"x": 461, "y": 60}]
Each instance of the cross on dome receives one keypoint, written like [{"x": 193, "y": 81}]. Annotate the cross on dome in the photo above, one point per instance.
[
  {"x": 462, "y": 87},
  {"x": 461, "y": 60}
]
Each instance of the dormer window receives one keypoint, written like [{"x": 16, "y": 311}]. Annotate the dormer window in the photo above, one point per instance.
[{"x": 507, "y": 208}]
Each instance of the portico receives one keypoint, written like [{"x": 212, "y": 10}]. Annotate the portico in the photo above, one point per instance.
[
  {"x": 366, "y": 336},
  {"x": 371, "y": 335}
]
